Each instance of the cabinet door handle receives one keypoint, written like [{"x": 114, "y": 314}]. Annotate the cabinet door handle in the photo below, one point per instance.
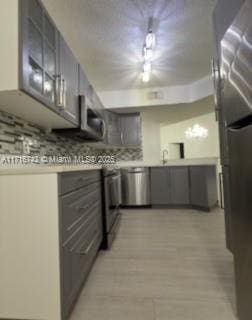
[
  {"x": 116, "y": 225},
  {"x": 64, "y": 85},
  {"x": 60, "y": 91},
  {"x": 80, "y": 209},
  {"x": 86, "y": 251},
  {"x": 94, "y": 206}
]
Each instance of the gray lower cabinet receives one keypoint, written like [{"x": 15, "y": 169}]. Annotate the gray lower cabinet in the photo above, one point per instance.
[
  {"x": 179, "y": 181},
  {"x": 160, "y": 186},
  {"x": 170, "y": 186},
  {"x": 68, "y": 81},
  {"x": 80, "y": 231},
  {"x": 203, "y": 186},
  {"x": 184, "y": 186}
]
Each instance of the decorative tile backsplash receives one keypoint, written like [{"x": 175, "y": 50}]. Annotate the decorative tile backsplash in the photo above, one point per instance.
[{"x": 16, "y": 134}]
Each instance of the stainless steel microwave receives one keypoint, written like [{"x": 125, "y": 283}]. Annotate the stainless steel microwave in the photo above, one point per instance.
[{"x": 92, "y": 126}]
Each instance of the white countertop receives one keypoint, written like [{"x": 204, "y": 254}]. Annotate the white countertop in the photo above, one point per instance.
[
  {"x": 177, "y": 162},
  {"x": 44, "y": 169}
]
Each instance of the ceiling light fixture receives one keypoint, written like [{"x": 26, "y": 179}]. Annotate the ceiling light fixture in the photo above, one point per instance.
[
  {"x": 149, "y": 44},
  {"x": 150, "y": 40},
  {"x": 147, "y": 66},
  {"x": 146, "y": 76},
  {"x": 147, "y": 53}
]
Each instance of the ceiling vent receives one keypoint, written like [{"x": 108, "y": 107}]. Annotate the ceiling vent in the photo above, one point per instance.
[{"x": 155, "y": 95}]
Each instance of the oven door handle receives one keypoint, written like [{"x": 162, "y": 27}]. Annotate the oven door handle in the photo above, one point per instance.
[
  {"x": 116, "y": 225},
  {"x": 116, "y": 187}
]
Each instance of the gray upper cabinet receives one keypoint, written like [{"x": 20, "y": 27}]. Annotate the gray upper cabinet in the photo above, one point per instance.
[
  {"x": 68, "y": 82},
  {"x": 131, "y": 130},
  {"x": 38, "y": 52},
  {"x": 48, "y": 71},
  {"x": 84, "y": 85},
  {"x": 39, "y": 81},
  {"x": 160, "y": 186},
  {"x": 114, "y": 133},
  {"x": 123, "y": 130},
  {"x": 179, "y": 182},
  {"x": 86, "y": 89}
]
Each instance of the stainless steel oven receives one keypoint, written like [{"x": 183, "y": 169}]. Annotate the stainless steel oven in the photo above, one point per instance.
[{"x": 112, "y": 200}]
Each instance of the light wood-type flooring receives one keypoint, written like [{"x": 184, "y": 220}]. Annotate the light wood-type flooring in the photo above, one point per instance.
[{"x": 164, "y": 265}]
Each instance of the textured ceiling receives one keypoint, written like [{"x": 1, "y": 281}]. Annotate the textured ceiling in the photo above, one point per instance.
[{"x": 107, "y": 37}]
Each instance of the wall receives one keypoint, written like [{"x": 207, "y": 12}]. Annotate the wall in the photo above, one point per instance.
[
  {"x": 205, "y": 148},
  {"x": 165, "y": 96},
  {"x": 14, "y": 130},
  {"x": 150, "y": 137},
  {"x": 154, "y": 118}
]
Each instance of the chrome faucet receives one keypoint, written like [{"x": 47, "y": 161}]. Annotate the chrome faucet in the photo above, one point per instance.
[{"x": 165, "y": 152}]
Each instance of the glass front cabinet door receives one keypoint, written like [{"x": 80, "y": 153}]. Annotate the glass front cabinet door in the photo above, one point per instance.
[{"x": 38, "y": 53}]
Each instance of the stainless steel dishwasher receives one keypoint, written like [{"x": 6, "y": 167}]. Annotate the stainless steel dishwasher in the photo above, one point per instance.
[{"x": 135, "y": 186}]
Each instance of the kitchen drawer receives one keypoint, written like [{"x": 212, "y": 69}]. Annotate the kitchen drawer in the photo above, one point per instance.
[
  {"x": 82, "y": 261},
  {"x": 84, "y": 226},
  {"x": 79, "y": 207},
  {"x": 83, "y": 236},
  {"x": 71, "y": 181},
  {"x": 77, "y": 256}
]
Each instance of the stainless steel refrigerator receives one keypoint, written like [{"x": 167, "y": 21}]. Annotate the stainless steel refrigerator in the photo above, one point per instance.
[{"x": 236, "y": 103}]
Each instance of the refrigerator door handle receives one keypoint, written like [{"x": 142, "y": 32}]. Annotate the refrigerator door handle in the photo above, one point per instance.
[
  {"x": 221, "y": 190},
  {"x": 241, "y": 124}
]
